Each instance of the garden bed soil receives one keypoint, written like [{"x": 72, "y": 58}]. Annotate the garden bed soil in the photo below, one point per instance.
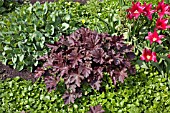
[{"x": 7, "y": 72}]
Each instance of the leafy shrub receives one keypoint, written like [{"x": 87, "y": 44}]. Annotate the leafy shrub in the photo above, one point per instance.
[
  {"x": 82, "y": 58},
  {"x": 146, "y": 92},
  {"x": 25, "y": 30}
]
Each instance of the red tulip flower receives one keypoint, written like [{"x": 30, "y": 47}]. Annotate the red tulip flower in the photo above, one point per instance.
[
  {"x": 148, "y": 55},
  {"x": 135, "y": 10},
  {"x": 168, "y": 56},
  {"x": 147, "y": 10},
  {"x": 154, "y": 37},
  {"x": 162, "y": 24},
  {"x": 162, "y": 9}
]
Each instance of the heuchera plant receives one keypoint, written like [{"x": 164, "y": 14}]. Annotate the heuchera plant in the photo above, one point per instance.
[
  {"x": 96, "y": 109},
  {"x": 157, "y": 21},
  {"x": 82, "y": 58}
]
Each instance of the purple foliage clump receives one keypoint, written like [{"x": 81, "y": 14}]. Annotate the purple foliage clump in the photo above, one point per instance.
[{"x": 82, "y": 57}]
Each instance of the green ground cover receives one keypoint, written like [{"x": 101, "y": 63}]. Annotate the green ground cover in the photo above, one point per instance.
[{"x": 145, "y": 92}]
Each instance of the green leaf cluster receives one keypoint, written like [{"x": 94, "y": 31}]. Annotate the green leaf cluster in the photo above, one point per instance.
[
  {"x": 7, "y": 6},
  {"x": 146, "y": 92},
  {"x": 17, "y": 95}
]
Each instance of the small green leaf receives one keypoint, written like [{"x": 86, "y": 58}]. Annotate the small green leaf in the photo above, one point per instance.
[
  {"x": 41, "y": 97},
  {"x": 67, "y": 17},
  {"x": 36, "y": 63},
  {"x": 7, "y": 48},
  {"x": 65, "y": 26},
  {"x": 21, "y": 57},
  {"x": 45, "y": 8},
  {"x": 144, "y": 65},
  {"x": 20, "y": 66}
]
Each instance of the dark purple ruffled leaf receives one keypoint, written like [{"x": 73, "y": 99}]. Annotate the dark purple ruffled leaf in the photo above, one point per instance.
[
  {"x": 84, "y": 70},
  {"x": 51, "y": 82},
  {"x": 74, "y": 57},
  {"x": 76, "y": 78},
  {"x": 68, "y": 97},
  {"x": 39, "y": 72},
  {"x": 95, "y": 84},
  {"x": 122, "y": 75},
  {"x": 130, "y": 55},
  {"x": 98, "y": 55},
  {"x": 96, "y": 109}
]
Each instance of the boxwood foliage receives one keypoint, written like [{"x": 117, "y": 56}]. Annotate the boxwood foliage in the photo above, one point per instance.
[
  {"x": 25, "y": 30},
  {"x": 146, "y": 92}
]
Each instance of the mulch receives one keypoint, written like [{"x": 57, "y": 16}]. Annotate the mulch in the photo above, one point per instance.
[{"x": 7, "y": 72}]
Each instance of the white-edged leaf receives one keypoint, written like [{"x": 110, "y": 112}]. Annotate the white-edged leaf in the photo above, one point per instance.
[
  {"x": 67, "y": 17},
  {"x": 21, "y": 57},
  {"x": 65, "y": 26}
]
